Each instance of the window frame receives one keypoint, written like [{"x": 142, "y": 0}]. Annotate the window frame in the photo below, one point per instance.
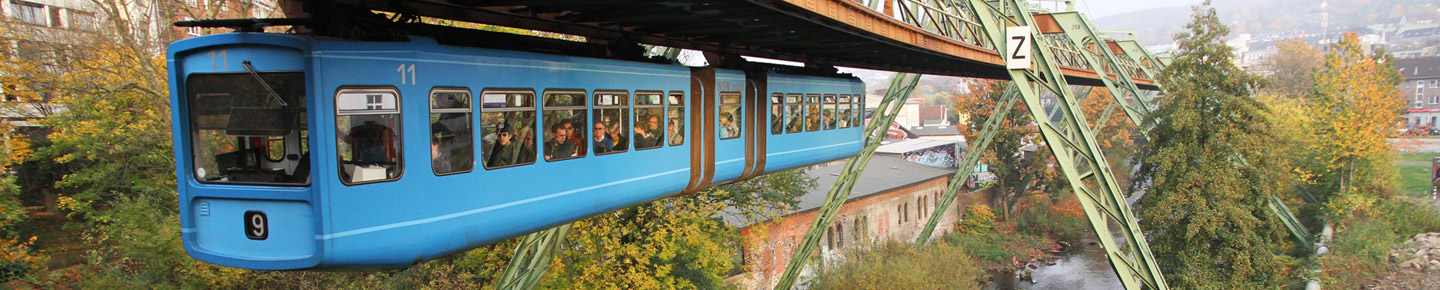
[
  {"x": 470, "y": 109},
  {"x": 812, "y": 101},
  {"x": 777, "y": 99},
  {"x": 844, "y": 105},
  {"x": 675, "y": 99},
  {"x": 830, "y": 101},
  {"x": 399, "y": 132},
  {"x": 740, "y": 111},
  {"x": 534, "y": 108},
  {"x": 635, "y": 114},
  {"x": 800, "y": 99},
  {"x": 585, "y": 97},
  {"x": 595, "y": 106}
]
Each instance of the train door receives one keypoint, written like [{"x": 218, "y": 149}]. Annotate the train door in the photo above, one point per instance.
[{"x": 729, "y": 122}]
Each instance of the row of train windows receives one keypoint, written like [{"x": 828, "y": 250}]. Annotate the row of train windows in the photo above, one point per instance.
[
  {"x": 795, "y": 113},
  {"x": 368, "y": 121}
]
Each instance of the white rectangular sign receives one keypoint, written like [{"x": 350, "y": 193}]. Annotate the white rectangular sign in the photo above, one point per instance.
[{"x": 1017, "y": 47}]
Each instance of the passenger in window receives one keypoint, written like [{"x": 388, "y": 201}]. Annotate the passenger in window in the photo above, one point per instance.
[
  {"x": 603, "y": 143},
  {"x": 647, "y": 133},
  {"x": 617, "y": 135},
  {"x": 576, "y": 137},
  {"x": 503, "y": 153},
  {"x": 439, "y": 152},
  {"x": 676, "y": 132},
  {"x": 527, "y": 147},
  {"x": 371, "y": 143},
  {"x": 728, "y": 129},
  {"x": 559, "y": 146},
  {"x": 795, "y": 124}
]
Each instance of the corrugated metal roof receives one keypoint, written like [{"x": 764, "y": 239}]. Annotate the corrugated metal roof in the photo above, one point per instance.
[
  {"x": 912, "y": 145},
  {"x": 946, "y": 130},
  {"x": 882, "y": 174}
]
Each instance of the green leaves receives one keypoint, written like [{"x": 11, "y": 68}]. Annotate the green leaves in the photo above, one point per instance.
[{"x": 1210, "y": 171}]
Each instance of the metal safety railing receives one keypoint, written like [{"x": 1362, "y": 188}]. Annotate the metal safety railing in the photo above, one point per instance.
[{"x": 952, "y": 20}]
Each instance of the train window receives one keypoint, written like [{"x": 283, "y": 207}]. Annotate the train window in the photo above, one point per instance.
[
  {"x": 812, "y": 112},
  {"x": 240, "y": 133},
  {"x": 794, "y": 116},
  {"x": 675, "y": 124},
  {"x": 367, "y": 121},
  {"x": 858, "y": 113},
  {"x": 777, "y": 113},
  {"x": 649, "y": 110},
  {"x": 730, "y": 118},
  {"x": 612, "y": 119},
  {"x": 564, "y": 122},
  {"x": 507, "y": 127},
  {"x": 827, "y": 116},
  {"x": 843, "y": 119},
  {"x": 452, "y": 146}
]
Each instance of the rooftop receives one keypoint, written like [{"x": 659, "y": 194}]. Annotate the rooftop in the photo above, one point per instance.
[
  {"x": 1419, "y": 67},
  {"x": 912, "y": 145},
  {"x": 882, "y": 174}
]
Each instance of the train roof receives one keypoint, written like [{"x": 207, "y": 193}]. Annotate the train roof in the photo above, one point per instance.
[{"x": 882, "y": 174}]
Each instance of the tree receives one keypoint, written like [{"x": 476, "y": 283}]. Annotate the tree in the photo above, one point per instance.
[
  {"x": 1021, "y": 172},
  {"x": 1293, "y": 69},
  {"x": 1356, "y": 104},
  {"x": 1208, "y": 171}
]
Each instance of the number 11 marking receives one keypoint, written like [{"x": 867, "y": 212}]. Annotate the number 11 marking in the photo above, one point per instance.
[{"x": 404, "y": 69}]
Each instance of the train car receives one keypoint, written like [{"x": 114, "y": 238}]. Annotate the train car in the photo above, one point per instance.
[{"x": 300, "y": 152}]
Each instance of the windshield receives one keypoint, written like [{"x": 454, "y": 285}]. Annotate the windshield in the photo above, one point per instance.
[{"x": 241, "y": 132}]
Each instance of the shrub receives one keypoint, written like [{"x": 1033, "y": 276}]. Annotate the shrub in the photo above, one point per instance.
[
  {"x": 896, "y": 265},
  {"x": 1060, "y": 219},
  {"x": 977, "y": 218}
]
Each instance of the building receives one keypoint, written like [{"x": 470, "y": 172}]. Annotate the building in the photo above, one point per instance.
[
  {"x": 1421, "y": 86},
  {"x": 892, "y": 200}
]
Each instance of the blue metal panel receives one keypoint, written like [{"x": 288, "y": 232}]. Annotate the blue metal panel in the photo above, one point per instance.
[
  {"x": 791, "y": 150},
  {"x": 223, "y": 241},
  {"x": 422, "y": 216},
  {"x": 729, "y": 153}
]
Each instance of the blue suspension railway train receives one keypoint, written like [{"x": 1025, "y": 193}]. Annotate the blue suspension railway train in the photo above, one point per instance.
[{"x": 301, "y": 152}]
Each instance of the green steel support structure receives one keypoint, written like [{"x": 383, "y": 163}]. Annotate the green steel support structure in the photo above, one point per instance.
[
  {"x": 532, "y": 258},
  {"x": 1074, "y": 145},
  {"x": 900, "y": 88}
]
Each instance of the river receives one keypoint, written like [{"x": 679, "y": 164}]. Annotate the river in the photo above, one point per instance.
[{"x": 1082, "y": 267}]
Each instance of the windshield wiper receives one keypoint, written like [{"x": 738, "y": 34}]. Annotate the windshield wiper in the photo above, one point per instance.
[{"x": 263, "y": 83}]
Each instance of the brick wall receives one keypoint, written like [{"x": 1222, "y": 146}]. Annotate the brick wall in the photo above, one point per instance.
[{"x": 892, "y": 215}]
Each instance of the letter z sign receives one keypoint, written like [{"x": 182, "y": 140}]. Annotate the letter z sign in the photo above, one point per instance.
[{"x": 1017, "y": 47}]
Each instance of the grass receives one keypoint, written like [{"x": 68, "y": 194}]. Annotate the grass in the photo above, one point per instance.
[{"x": 1414, "y": 171}]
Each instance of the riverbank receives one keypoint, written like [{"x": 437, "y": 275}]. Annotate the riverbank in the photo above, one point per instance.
[{"x": 1413, "y": 265}]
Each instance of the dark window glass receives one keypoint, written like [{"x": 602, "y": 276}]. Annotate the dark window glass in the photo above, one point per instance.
[
  {"x": 507, "y": 127},
  {"x": 612, "y": 119},
  {"x": 452, "y": 146},
  {"x": 564, "y": 123},
  {"x": 729, "y": 118},
  {"x": 649, "y": 113},
  {"x": 812, "y": 112},
  {"x": 827, "y": 116},
  {"x": 368, "y": 122},
  {"x": 240, "y": 133},
  {"x": 794, "y": 116},
  {"x": 777, "y": 114},
  {"x": 675, "y": 125}
]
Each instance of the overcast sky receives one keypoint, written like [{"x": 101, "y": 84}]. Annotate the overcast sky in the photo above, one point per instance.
[{"x": 1100, "y": 8}]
